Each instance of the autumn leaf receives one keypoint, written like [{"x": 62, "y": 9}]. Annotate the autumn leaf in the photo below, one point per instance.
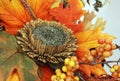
[
  {"x": 88, "y": 17},
  {"x": 69, "y": 15},
  {"x": 15, "y": 64},
  {"x": 89, "y": 39}
]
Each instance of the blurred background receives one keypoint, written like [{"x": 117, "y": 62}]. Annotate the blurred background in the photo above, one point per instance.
[{"x": 110, "y": 12}]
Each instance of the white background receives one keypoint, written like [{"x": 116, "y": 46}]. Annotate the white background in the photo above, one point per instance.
[{"x": 111, "y": 13}]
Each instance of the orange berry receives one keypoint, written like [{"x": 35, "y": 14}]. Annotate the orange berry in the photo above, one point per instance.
[
  {"x": 115, "y": 75},
  {"x": 100, "y": 53},
  {"x": 93, "y": 52},
  {"x": 108, "y": 41},
  {"x": 83, "y": 59},
  {"x": 76, "y": 66},
  {"x": 74, "y": 58},
  {"x": 69, "y": 68},
  {"x": 107, "y": 53},
  {"x": 90, "y": 58},
  {"x": 70, "y": 73},
  {"x": 107, "y": 47},
  {"x": 101, "y": 49},
  {"x": 69, "y": 78},
  {"x": 114, "y": 46}
]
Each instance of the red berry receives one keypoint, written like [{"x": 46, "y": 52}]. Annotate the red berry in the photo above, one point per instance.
[{"x": 101, "y": 41}]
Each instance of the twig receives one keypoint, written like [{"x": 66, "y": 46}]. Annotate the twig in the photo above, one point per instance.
[{"x": 106, "y": 62}]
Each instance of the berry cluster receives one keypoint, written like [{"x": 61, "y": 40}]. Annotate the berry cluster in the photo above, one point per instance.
[
  {"x": 103, "y": 51},
  {"x": 115, "y": 70},
  {"x": 66, "y": 73}
]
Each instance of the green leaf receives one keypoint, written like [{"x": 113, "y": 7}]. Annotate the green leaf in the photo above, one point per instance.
[{"x": 11, "y": 60}]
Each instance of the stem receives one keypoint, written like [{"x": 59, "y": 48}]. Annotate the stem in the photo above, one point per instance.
[
  {"x": 107, "y": 63},
  {"x": 28, "y": 8}
]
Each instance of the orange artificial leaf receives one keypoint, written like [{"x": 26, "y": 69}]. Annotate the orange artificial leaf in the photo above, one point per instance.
[
  {"x": 86, "y": 40},
  {"x": 13, "y": 15},
  {"x": 89, "y": 38},
  {"x": 96, "y": 70},
  {"x": 70, "y": 14}
]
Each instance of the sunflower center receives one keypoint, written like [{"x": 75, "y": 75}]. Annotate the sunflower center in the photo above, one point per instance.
[{"x": 53, "y": 36}]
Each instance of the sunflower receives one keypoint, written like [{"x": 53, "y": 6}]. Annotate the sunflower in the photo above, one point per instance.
[
  {"x": 56, "y": 41},
  {"x": 13, "y": 14}
]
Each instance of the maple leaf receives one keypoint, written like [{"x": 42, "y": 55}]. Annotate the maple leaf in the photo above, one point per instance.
[
  {"x": 15, "y": 64},
  {"x": 89, "y": 39},
  {"x": 88, "y": 17},
  {"x": 69, "y": 15}
]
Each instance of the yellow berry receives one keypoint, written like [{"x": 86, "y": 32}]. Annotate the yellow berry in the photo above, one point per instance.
[
  {"x": 112, "y": 70},
  {"x": 64, "y": 68},
  {"x": 76, "y": 78},
  {"x": 66, "y": 61},
  {"x": 119, "y": 75},
  {"x": 61, "y": 80},
  {"x": 53, "y": 78},
  {"x": 116, "y": 67},
  {"x": 57, "y": 71},
  {"x": 62, "y": 76},
  {"x": 71, "y": 63}
]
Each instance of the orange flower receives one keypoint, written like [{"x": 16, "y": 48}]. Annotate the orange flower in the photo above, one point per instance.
[
  {"x": 70, "y": 14},
  {"x": 87, "y": 40},
  {"x": 14, "y": 15}
]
